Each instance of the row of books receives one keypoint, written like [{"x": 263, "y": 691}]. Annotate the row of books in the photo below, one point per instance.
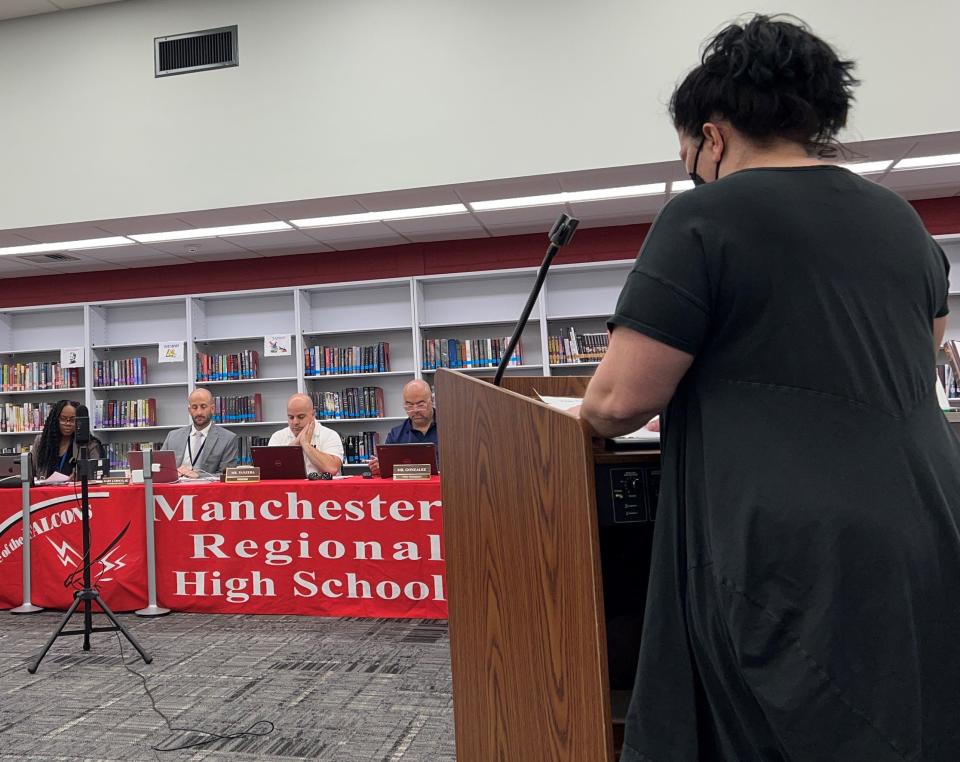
[
  {"x": 126, "y": 372},
  {"x": 229, "y": 367},
  {"x": 29, "y": 416},
  {"x": 243, "y": 408},
  {"x": 245, "y": 457},
  {"x": 328, "y": 361},
  {"x": 117, "y": 451},
  {"x": 352, "y": 402},
  {"x": 359, "y": 448},
  {"x": 33, "y": 376},
  {"x": 467, "y": 353},
  {"x": 111, "y": 414},
  {"x": 572, "y": 347}
]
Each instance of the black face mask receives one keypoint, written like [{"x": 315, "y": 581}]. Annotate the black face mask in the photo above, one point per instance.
[{"x": 694, "y": 175}]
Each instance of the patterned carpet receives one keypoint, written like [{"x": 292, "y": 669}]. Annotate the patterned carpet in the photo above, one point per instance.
[{"x": 335, "y": 689}]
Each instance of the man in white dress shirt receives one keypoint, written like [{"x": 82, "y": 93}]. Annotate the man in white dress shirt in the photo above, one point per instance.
[
  {"x": 322, "y": 448},
  {"x": 203, "y": 446}
]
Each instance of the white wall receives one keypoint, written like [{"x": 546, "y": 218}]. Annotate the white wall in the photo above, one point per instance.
[{"x": 337, "y": 97}]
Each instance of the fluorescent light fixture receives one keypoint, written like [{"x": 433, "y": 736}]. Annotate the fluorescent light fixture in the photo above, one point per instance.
[
  {"x": 392, "y": 214},
  {"x": 679, "y": 186},
  {"x": 626, "y": 191},
  {"x": 925, "y": 162},
  {"x": 868, "y": 167},
  {"x": 88, "y": 243},
  {"x": 229, "y": 230}
]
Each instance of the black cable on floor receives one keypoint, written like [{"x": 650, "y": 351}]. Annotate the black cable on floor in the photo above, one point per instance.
[{"x": 212, "y": 736}]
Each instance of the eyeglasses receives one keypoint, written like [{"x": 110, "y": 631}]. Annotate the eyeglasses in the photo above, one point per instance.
[
  {"x": 416, "y": 405},
  {"x": 67, "y": 420}
]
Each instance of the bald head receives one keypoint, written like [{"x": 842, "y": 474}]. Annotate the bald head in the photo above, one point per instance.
[
  {"x": 200, "y": 406},
  {"x": 300, "y": 412},
  {"x": 418, "y": 403},
  {"x": 417, "y": 386}
]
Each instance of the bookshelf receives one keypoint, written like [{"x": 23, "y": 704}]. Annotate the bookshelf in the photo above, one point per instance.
[{"x": 403, "y": 312}]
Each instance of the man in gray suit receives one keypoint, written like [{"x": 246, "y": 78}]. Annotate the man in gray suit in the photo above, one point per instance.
[{"x": 202, "y": 446}]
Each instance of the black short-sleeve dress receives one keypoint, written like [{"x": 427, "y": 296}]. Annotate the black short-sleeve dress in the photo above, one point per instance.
[{"x": 804, "y": 597}]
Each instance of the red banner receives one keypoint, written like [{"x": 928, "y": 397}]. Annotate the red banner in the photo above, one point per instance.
[
  {"x": 56, "y": 546},
  {"x": 351, "y": 547}
]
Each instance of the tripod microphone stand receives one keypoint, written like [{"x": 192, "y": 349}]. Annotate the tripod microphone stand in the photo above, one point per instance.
[{"x": 88, "y": 595}]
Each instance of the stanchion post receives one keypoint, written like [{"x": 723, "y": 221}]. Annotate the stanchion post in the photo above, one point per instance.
[
  {"x": 25, "y": 477},
  {"x": 152, "y": 609}
]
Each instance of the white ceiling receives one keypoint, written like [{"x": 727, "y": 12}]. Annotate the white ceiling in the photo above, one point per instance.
[
  {"x": 14, "y": 9},
  {"x": 928, "y": 183}
]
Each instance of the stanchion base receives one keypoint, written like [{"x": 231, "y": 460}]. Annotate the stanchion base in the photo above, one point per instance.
[
  {"x": 152, "y": 611},
  {"x": 26, "y": 608}
]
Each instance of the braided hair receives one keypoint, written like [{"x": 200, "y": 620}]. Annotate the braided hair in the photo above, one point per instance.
[{"x": 48, "y": 452}]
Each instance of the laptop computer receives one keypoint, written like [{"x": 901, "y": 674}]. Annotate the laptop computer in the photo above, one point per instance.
[
  {"x": 390, "y": 455},
  {"x": 9, "y": 470},
  {"x": 280, "y": 462},
  {"x": 163, "y": 463}
]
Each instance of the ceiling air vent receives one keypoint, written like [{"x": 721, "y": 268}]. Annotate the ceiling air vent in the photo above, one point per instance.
[
  {"x": 43, "y": 258},
  {"x": 196, "y": 51}
]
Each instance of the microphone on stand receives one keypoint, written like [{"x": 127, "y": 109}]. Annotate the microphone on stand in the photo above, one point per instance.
[
  {"x": 560, "y": 235},
  {"x": 81, "y": 434}
]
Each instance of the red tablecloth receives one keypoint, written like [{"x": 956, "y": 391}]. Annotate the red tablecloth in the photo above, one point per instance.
[{"x": 348, "y": 547}]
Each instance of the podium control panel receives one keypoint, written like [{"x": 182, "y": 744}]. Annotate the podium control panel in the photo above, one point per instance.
[{"x": 627, "y": 493}]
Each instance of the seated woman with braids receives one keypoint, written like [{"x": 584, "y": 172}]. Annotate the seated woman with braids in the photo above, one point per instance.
[{"x": 54, "y": 449}]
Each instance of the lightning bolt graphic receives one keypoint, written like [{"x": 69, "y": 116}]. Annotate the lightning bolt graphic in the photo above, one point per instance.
[
  {"x": 66, "y": 553},
  {"x": 108, "y": 564}
]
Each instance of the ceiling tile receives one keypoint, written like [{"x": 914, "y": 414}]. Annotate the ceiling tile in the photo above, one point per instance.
[
  {"x": 446, "y": 235},
  {"x": 535, "y": 215},
  {"x": 198, "y": 247},
  {"x": 368, "y": 231},
  {"x": 160, "y": 223},
  {"x": 453, "y": 223},
  {"x": 215, "y": 218},
  {"x": 618, "y": 207},
  {"x": 526, "y": 186},
  {"x": 361, "y": 243},
  {"x": 278, "y": 239},
  {"x": 135, "y": 256},
  {"x": 318, "y": 207},
  {"x": 408, "y": 199},
  {"x": 220, "y": 255}
]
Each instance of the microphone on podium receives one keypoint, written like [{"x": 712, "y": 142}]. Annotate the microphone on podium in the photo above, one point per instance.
[{"x": 560, "y": 235}]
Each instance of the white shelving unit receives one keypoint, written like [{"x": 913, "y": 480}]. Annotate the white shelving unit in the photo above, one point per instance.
[{"x": 401, "y": 311}]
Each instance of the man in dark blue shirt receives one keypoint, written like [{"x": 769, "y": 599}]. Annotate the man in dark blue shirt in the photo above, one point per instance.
[{"x": 421, "y": 424}]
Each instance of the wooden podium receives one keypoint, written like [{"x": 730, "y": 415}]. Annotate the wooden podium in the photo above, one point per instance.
[{"x": 526, "y": 596}]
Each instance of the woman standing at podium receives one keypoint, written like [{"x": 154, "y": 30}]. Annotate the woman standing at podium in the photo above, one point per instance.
[
  {"x": 54, "y": 448},
  {"x": 803, "y": 600}
]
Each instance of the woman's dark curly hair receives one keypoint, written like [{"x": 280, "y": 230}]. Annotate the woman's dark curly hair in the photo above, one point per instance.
[
  {"x": 48, "y": 453},
  {"x": 770, "y": 78}
]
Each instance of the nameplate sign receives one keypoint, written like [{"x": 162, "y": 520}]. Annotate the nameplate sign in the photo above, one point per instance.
[
  {"x": 232, "y": 474},
  {"x": 411, "y": 471},
  {"x": 115, "y": 481}
]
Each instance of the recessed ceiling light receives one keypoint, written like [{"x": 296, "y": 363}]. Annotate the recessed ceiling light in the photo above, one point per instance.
[
  {"x": 88, "y": 243},
  {"x": 229, "y": 230},
  {"x": 868, "y": 167},
  {"x": 390, "y": 214},
  {"x": 679, "y": 186},
  {"x": 925, "y": 162},
  {"x": 600, "y": 194}
]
